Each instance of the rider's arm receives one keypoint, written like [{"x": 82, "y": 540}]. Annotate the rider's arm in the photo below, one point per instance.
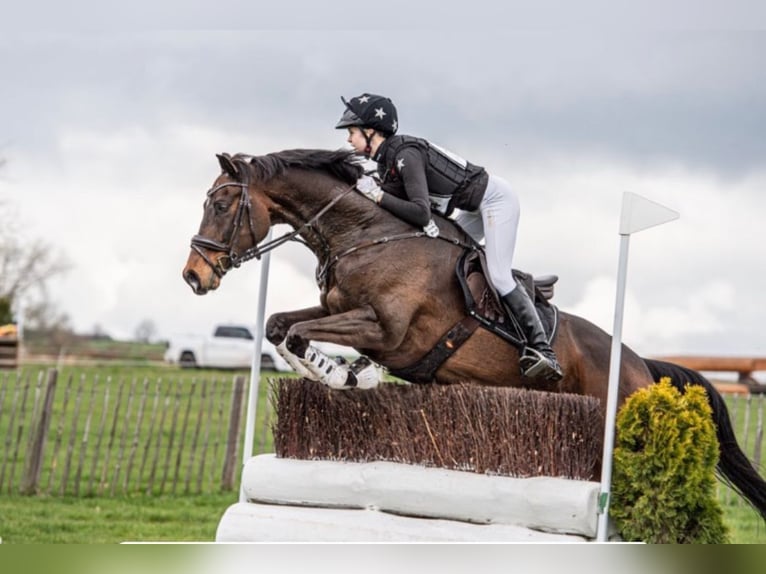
[{"x": 416, "y": 208}]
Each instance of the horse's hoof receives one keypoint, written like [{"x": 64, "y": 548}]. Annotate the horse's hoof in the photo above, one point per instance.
[
  {"x": 275, "y": 331},
  {"x": 296, "y": 345}
]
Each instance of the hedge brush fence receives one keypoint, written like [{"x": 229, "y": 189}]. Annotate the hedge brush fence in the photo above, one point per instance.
[{"x": 500, "y": 431}]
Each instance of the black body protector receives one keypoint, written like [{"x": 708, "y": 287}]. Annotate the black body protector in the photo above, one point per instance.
[{"x": 450, "y": 181}]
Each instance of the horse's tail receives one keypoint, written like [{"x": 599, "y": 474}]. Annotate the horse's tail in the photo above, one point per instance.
[{"x": 733, "y": 465}]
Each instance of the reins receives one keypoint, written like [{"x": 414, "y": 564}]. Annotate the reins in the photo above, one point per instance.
[
  {"x": 231, "y": 259},
  {"x": 273, "y": 244}
]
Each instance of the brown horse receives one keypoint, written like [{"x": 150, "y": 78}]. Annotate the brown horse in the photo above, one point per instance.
[{"x": 390, "y": 292}]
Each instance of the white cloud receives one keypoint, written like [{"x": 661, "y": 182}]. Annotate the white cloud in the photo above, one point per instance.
[
  {"x": 110, "y": 162},
  {"x": 657, "y": 329}
]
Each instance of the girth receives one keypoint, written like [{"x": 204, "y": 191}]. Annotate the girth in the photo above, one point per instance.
[{"x": 423, "y": 371}]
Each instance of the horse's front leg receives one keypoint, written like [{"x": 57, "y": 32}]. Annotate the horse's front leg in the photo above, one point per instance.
[
  {"x": 356, "y": 328},
  {"x": 276, "y": 332},
  {"x": 279, "y": 323}
]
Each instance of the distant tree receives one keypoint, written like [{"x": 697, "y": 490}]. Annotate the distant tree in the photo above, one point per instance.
[
  {"x": 43, "y": 316},
  {"x": 145, "y": 331},
  {"x": 49, "y": 328},
  {"x": 99, "y": 333},
  {"x": 26, "y": 268}
]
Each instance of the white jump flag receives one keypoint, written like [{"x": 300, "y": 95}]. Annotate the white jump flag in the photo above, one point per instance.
[{"x": 638, "y": 213}]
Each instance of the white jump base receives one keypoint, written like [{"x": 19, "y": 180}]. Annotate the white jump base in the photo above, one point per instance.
[{"x": 325, "y": 501}]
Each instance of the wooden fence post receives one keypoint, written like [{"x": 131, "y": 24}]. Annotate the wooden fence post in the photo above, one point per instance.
[
  {"x": 40, "y": 428},
  {"x": 232, "y": 441}
]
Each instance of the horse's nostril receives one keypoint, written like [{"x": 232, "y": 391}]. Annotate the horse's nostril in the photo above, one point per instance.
[{"x": 193, "y": 280}]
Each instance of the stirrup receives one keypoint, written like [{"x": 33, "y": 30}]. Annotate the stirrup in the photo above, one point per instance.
[{"x": 535, "y": 365}]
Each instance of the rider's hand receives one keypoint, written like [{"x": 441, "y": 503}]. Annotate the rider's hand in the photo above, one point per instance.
[
  {"x": 431, "y": 229},
  {"x": 369, "y": 188}
]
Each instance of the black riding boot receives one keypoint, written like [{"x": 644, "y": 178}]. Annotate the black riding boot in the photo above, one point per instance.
[{"x": 538, "y": 361}]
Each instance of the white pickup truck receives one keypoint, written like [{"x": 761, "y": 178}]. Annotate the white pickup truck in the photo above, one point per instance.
[{"x": 229, "y": 347}]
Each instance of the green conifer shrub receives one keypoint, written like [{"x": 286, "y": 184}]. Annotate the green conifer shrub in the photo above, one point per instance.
[
  {"x": 5, "y": 311},
  {"x": 663, "y": 487}
]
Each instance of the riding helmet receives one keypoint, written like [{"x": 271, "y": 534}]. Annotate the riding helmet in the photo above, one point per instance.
[{"x": 370, "y": 111}]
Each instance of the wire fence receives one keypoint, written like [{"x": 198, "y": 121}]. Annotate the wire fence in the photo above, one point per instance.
[{"x": 90, "y": 435}]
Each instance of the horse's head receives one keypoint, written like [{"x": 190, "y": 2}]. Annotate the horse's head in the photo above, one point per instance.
[{"x": 235, "y": 219}]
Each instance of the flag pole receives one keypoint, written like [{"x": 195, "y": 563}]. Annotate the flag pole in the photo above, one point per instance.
[
  {"x": 637, "y": 214},
  {"x": 615, "y": 357},
  {"x": 255, "y": 365}
]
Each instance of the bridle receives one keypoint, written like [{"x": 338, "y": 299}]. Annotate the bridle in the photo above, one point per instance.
[{"x": 230, "y": 257}]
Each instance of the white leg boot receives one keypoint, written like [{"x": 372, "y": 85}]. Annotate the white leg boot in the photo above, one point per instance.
[
  {"x": 326, "y": 370},
  {"x": 361, "y": 374},
  {"x": 295, "y": 362},
  {"x": 368, "y": 373}
]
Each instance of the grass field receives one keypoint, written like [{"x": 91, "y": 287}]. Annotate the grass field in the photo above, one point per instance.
[
  {"x": 134, "y": 517},
  {"x": 745, "y": 526},
  {"x": 69, "y": 520}
]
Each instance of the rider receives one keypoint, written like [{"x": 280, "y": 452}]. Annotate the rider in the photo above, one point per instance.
[{"x": 418, "y": 177}]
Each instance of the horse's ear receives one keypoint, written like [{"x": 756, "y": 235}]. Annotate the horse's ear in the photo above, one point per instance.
[
  {"x": 227, "y": 165},
  {"x": 242, "y": 166}
]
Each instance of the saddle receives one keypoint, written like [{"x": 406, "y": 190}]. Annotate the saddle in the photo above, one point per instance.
[
  {"x": 483, "y": 302},
  {"x": 484, "y": 309}
]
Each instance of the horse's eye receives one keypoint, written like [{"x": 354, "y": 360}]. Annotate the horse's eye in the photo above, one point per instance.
[{"x": 220, "y": 207}]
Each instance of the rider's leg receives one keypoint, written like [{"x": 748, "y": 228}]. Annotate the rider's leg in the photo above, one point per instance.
[
  {"x": 538, "y": 359},
  {"x": 500, "y": 215},
  {"x": 471, "y": 223}
]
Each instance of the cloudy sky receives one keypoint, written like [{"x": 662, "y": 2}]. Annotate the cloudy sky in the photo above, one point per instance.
[{"x": 110, "y": 141}]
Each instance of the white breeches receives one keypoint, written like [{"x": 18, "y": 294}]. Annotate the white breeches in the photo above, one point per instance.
[{"x": 496, "y": 221}]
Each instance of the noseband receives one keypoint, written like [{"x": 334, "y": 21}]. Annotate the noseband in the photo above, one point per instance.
[{"x": 231, "y": 258}]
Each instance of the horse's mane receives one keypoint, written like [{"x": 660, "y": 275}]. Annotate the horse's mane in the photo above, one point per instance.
[{"x": 343, "y": 164}]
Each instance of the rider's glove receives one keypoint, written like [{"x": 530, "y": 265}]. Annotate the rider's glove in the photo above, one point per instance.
[
  {"x": 369, "y": 188},
  {"x": 431, "y": 229}
]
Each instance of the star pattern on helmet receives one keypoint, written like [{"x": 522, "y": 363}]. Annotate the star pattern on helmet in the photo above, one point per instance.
[
  {"x": 400, "y": 164},
  {"x": 379, "y": 113},
  {"x": 363, "y": 99},
  {"x": 395, "y": 125}
]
